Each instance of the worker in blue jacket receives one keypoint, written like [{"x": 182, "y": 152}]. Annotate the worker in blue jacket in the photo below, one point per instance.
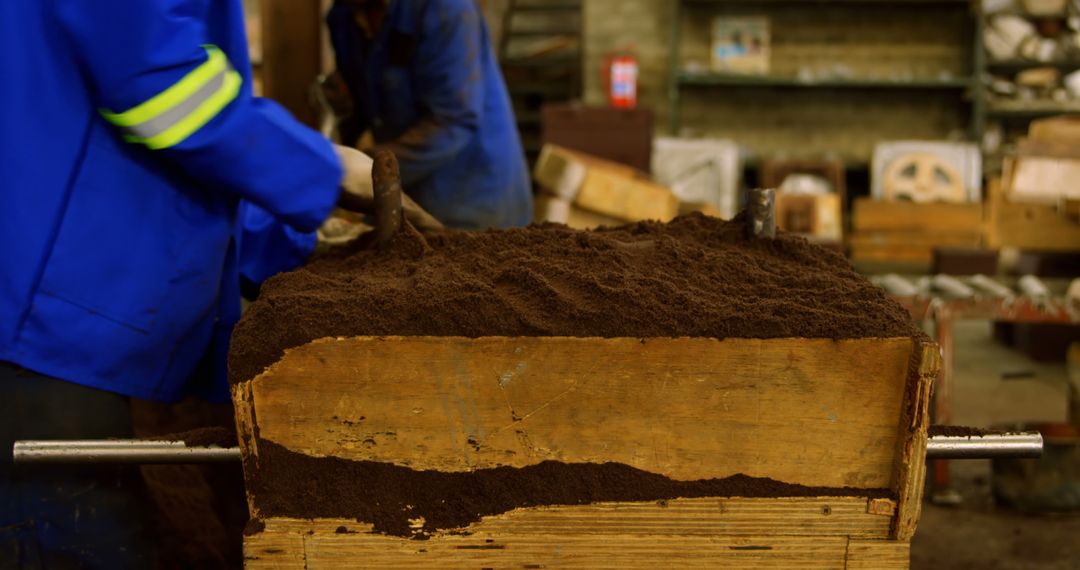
[
  {"x": 424, "y": 79},
  {"x": 140, "y": 182}
]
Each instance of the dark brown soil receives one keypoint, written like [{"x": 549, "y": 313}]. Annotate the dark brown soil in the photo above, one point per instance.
[
  {"x": 199, "y": 510},
  {"x": 219, "y": 435},
  {"x": 958, "y": 431},
  {"x": 404, "y": 502},
  {"x": 695, "y": 277}
]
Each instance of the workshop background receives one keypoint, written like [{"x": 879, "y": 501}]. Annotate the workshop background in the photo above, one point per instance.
[{"x": 933, "y": 142}]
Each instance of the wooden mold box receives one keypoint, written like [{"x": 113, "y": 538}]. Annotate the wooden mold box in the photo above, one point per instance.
[{"x": 813, "y": 412}]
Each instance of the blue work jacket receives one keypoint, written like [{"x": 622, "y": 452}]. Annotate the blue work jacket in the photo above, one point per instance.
[
  {"x": 138, "y": 177},
  {"x": 428, "y": 86}
]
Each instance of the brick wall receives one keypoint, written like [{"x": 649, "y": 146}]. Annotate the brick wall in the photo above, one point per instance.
[{"x": 644, "y": 25}]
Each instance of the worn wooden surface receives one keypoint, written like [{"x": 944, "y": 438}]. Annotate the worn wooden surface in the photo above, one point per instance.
[
  {"x": 610, "y": 193},
  {"x": 555, "y": 209},
  {"x": 824, "y": 532},
  {"x": 906, "y": 247},
  {"x": 603, "y": 187},
  {"x": 878, "y": 215},
  {"x": 816, "y": 412},
  {"x": 909, "y": 467},
  {"x": 807, "y": 411},
  {"x": 1028, "y": 226},
  {"x": 878, "y": 554}
]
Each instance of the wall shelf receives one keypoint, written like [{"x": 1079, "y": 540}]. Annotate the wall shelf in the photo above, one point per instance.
[
  {"x": 689, "y": 79},
  {"x": 1021, "y": 65},
  {"x": 1029, "y": 111},
  {"x": 932, "y": 44}
]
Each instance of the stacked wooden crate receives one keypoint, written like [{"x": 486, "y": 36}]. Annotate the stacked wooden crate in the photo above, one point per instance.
[
  {"x": 584, "y": 192},
  {"x": 908, "y": 232},
  {"x": 1033, "y": 205}
]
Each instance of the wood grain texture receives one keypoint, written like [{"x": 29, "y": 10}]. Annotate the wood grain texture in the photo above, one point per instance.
[
  {"x": 315, "y": 545},
  {"x": 871, "y": 239},
  {"x": 805, "y": 411},
  {"x": 591, "y": 552},
  {"x": 878, "y": 215},
  {"x": 920, "y": 255},
  {"x": 272, "y": 550},
  {"x": 1028, "y": 226},
  {"x": 539, "y": 551},
  {"x": 782, "y": 516},
  {"x": 247, "y": 430},
  {"x": 878, "y": 554},
  {"x": 910, "y": 463},
  {"x": 611, "y": 193}
]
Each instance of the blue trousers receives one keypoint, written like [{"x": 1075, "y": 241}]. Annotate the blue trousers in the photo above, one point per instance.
[{"x": 67, "y": 516}]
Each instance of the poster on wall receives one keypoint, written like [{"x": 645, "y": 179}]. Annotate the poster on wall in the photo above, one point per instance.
[{"x": 740, "y": 45}]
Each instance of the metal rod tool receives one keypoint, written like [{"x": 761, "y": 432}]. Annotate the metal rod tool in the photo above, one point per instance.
[
  {"x": 389, "y": 214},
  {"x": 120, "y": 451},
  {"x": 761, "y": 208},
  {"x": 1014, "y": 445},
  {"x": 1028, "y": 444}
]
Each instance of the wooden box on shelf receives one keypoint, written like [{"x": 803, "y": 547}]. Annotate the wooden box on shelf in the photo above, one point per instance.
[
  {"x": 908, "y": 232},
  {"x": 1026, "y": 225}
]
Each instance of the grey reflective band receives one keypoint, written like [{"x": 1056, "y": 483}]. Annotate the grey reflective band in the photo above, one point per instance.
[{"x": 169, "y": 119}]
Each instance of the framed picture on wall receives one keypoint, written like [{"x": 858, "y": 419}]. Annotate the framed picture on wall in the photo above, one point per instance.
[{"x": 740, "y": 45}]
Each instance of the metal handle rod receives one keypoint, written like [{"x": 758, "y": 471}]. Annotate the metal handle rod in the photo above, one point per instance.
[
  {"x": 120, "y": 451},
  {"x": 1018, "y": 445},
  {"x": 1014, "y": 445},
  {"x": 761, "y": 207}
]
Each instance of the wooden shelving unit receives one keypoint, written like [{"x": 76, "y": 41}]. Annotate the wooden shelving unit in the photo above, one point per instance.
[
  {"x": 686, "y": 79},
  {"x": 819, "y": 101}
]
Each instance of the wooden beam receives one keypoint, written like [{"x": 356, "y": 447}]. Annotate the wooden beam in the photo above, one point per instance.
[{"x": 292, "y": 55}]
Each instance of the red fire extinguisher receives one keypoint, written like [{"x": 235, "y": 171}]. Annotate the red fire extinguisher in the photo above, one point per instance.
[{"x": 621, "y": 79}]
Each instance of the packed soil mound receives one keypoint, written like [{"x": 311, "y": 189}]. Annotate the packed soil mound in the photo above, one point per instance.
[{"x": 693, "y": 277}]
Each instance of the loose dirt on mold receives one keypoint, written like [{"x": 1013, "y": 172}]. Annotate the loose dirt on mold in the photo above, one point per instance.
[
  {"x": 693, "y": 277},
  {"x": 959, "y": 431},
  {"x": 218, "y": 436}
]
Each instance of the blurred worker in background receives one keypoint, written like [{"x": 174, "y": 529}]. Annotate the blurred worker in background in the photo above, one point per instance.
[
  {"x": 141, "y": 181},
  {"x": 424, "y": 79}
]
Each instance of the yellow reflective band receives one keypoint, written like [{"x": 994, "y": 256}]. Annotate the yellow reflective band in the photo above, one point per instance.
[
  {"x": 200, "y": 116},
  {"x": 178, "y": 93}
]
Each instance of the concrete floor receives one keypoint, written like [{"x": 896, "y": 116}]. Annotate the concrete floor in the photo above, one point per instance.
[{"x": 978, "y": 534}]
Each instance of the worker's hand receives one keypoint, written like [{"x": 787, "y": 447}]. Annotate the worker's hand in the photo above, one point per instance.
[
  {"x": 357, "y": 188},
  {"x": 358, "y": 192}
]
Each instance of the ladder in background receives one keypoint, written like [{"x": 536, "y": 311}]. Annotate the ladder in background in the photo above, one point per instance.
[{"x": 541, "y": 57}]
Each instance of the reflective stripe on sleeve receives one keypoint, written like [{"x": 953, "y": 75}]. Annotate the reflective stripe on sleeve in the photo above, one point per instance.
[{"x": 173, "y": 115}]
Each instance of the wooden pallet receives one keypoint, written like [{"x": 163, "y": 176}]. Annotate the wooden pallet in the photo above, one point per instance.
[{"x": 812, "y": 412}]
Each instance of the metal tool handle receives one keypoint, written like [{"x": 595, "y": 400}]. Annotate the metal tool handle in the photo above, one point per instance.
[
  {"x": 1028, "y": 444},
  {"x": 1015, "y": 445},
  {"x": 386, "y": 179},
  {"x": 120, "y": 451},
  {"x": 761, "y": 207}
]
